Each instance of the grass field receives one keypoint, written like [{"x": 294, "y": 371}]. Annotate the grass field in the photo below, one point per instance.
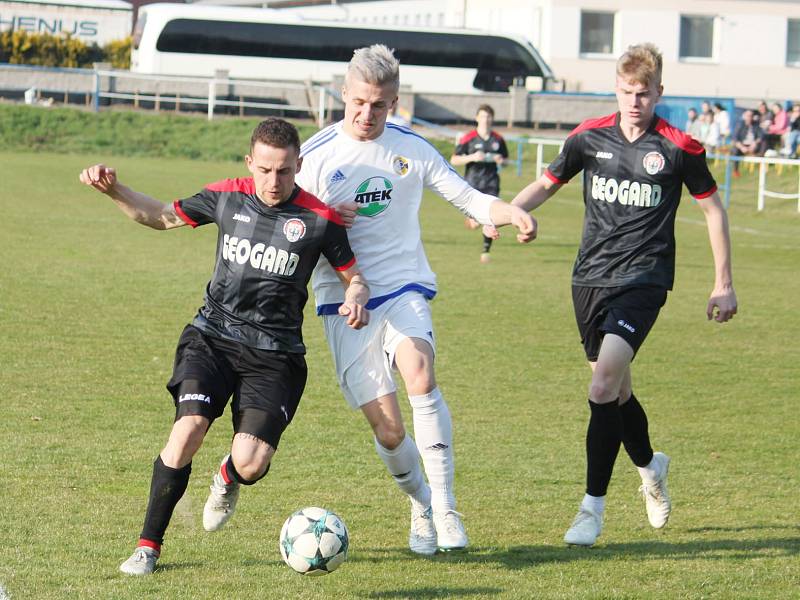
[{"x": 91, "y": 306}]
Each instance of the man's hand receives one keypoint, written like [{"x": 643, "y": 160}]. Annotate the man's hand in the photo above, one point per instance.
[
  {"x": 357, "y": 315},
  {"x": 100, "y": 177},
  {"x": 525, "y": 223},
  {"x": 724, "y": 301},
  {"x": 347, "y": 211}
]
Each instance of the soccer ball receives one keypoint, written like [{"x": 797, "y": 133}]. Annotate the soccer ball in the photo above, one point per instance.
[{"x": 314, "y": 541}]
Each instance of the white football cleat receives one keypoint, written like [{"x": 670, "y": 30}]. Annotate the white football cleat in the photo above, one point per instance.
[
  {"x": 656, "y": 495},
  {"x": 585, "y": 528},
  {"x": 142, "y": 561},
  {"x": 450, "y": 531},
  {"x": 422, "y": 536},
  {"x": 220, "y": 504}
]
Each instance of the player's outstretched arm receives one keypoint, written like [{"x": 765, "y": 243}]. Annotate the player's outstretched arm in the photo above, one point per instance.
[
  {"x": 139, "y": 207},
  {"x": 722, "y": 304},
  {"x": 535, "y": 194},
  {"x": 356, "y": 296}
]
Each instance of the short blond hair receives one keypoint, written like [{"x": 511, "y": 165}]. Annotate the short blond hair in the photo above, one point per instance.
[{"x": 641, "y": 63}]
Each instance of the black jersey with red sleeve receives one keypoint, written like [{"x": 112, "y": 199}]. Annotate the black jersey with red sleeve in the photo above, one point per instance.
[
  {"x": 483, "y": 176},
  {"x": 265, "y": 257},
  {"x": 631, "y": 192}
]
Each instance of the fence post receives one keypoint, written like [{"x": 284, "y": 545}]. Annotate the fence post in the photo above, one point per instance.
[
  {"x": 539, "y": 150},
  {"x": 728, "y": 180},
  {"x": 321, "y": 108},
  {"x": 762, "y": 180},
  {"x": 96, "y": 101},
  {"x": 520, "y": 146},
  {"x": 212, "y": 96}
]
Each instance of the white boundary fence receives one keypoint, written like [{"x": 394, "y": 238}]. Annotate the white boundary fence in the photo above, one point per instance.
[{"x": 318, "y": 103}]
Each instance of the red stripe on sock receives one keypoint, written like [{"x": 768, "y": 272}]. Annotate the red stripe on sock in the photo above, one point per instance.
[
  {"x": 150, "y": 544},
  {"x": 223, "y": 470}
]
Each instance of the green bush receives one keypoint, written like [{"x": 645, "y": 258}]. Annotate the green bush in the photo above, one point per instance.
[{"x": 44, "y": 49}]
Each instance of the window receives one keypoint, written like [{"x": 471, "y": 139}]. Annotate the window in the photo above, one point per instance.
[
  {"x": 793, "y": 42},
  {"x": 697, "y": 37},
  {"x": 597, "y": 32}
]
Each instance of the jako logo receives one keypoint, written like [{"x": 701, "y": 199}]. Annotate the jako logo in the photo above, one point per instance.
[
  {"x": 198, "y": 397},
  {"x": 374, "y": 195},
  {"x": 260, "y": 256},
  {"x": 626, "y": 192},
  {"x": 627, "y": 326},
  {"x": 604, "y": 154},
  {"x": 242, "y": 218}
]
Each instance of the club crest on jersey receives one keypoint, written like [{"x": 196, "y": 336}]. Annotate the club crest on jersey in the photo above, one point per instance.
[
  {"x": 400, "y": 165},
  {"x": 653, "y": 162},
  {"x": 373, "y": 196},
  {"x": 294, "y": 229}
]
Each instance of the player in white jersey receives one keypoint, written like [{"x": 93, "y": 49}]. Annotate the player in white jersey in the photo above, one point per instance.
[{"x": 374, "y": 174}]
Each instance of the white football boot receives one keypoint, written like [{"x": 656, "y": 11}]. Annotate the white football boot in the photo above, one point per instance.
[
  {"x": 422, "y": 536},
  {"x": 450, "y": 531},
  {"x": 585, "y": 528},
  {"x": 142, "y": 561},
  {"x": 656, "y": 495},
  {"x": 220, "y": 504}
]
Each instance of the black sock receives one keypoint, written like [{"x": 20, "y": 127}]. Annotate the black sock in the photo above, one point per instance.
[
  {"x": 635, "y": 436},
  {"x": 487, "y": 243},
  {"x": 166, "y": 488},
  {"x": 603, "y": 439},
  {"x": 234, "y": 474}
]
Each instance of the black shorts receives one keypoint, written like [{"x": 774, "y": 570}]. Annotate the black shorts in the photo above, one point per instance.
[
  {"x": 629, "y": 312},
  {"x": 266, "y": 385}
]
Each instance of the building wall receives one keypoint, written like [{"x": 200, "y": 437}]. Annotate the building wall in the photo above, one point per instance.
[
  {"x": 91, "y": 22},
  {"x": 750, "y": 38}
]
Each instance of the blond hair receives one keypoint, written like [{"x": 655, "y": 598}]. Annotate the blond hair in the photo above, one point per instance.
[
  {"x": 375, "y": 64},
  {"x": 641, "y": 63}
]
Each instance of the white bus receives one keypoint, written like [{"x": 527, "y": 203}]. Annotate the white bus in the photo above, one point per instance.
[{"x": 181, "y": 39}]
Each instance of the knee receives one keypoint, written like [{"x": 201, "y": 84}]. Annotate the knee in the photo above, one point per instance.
[
  {"x": 418, "y": 375},
  {"x": 602, "y": 390},
  {"x": 390, "y": 435},
  {"x": 185, "y": 440},
  {"x": 254, "y": 469}
]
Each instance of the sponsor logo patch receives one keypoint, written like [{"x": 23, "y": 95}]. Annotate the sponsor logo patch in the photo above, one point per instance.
[
  {"x": 294, "y": 229},
  {"x": 400, "y": 165},
  {"x": 259, "y": 255},
  {"x": 373, "y": 196},
  {"x": 626, "y": 192},
  {"x": 653, "y": 162},
  {"x": 198, "y": 397}
]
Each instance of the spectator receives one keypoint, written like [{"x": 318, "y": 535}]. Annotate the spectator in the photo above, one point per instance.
[
  {"x": 793, "y": 135},
  {"x": 779, "y": 126},
  {"x": 694, "y": 125},
  {"x": 748, "y": 139},
  {"x": 712, "y": 138},
  {"x": 763, "y": 116},
  {"x": 723, "y": 121}
]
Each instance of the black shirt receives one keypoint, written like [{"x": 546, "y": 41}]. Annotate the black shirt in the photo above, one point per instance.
[
  {"x": 265, "y": 256},
  {"x": 483, "y": 176},
  {"x": 631, "y": 192}
]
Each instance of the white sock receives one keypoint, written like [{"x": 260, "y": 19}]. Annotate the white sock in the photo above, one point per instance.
[
  {"x": 651, "y": 472},
  {"x": 596, "y": 504},
  {"x": 403, "y": 465},
  {"x": 434, "y": 432}
]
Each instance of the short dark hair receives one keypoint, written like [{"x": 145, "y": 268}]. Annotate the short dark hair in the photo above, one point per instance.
[
  {"x": 276, "y": 133},
  {"x": 485, "y": 108}
]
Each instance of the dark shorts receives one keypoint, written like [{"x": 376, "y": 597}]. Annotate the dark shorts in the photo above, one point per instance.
[
  {"x": 629, "y": 312},
  {"x": 266, "y": 385}
]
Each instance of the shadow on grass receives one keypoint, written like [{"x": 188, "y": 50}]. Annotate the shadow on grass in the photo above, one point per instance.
[
  {"x": 431, "y": 592},
  {"x": 521, "y": 557}
]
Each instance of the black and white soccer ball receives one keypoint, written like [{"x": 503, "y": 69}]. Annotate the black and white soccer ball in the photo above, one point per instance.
[{"x": 314, "y": 541}]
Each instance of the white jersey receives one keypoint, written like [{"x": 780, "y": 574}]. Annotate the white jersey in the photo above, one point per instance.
[{"x": 386, "y": 177}]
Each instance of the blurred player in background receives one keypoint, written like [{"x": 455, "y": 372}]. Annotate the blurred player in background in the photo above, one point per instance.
[
  {"x": 484, "y": 151},
  {"x": 634, "y": 165},
  {"x": 246, "y": 340}
]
